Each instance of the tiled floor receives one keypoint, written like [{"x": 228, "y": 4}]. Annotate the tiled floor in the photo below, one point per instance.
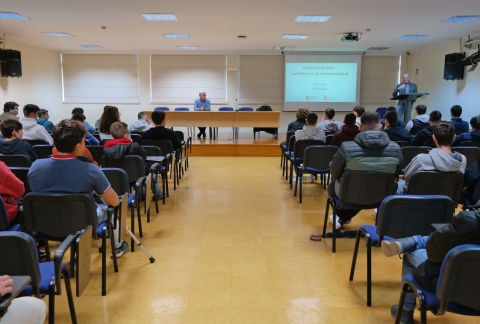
[{"x": 232, "y": 246}]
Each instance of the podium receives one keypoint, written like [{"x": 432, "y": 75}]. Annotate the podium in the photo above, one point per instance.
[{"x": 409, "y": 99}]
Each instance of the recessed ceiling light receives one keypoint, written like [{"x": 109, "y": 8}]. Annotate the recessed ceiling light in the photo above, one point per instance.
[
  {"x": 410, "y": 37},
  {"x": 461, "y": 19},
  {"x": 284, "y": 48},
  {"x": 91, "y": 46},
  {"x": 159, "y": 17},
  {"x": 176, "y": 35},
  {"x": 58, "y": 34},
  {"x": 312, "y": 18},
  {"x": 377, "y": 48},
  {"x": 186, "y": 48},
  {"x": 293, "y": 36},
  {"x": 12, "y": 15}
]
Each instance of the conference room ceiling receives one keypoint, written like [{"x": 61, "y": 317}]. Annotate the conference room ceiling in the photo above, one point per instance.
[{"x": 213, "y": 25}]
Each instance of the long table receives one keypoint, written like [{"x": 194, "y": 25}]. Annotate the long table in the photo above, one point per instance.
[{"x": 222, "y": 118}]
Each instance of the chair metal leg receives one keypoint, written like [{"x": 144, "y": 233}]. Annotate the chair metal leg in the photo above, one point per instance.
[
  {"x": 369, "y": 271},
  {"x": 291, "y": 174},
  {"x": 139, "y": 217},
  {"x": 334, "y": 237},
  {"x": 296, "y": 182},
  {"x": 114, "y": 254},
  {"x": 71, "y": 305},
  {"x": 104, "y": 262},
  {"x": 401, "y": 302},
  {"x": 355, "y": 253},
  {"x": 51, "y": 305},
  {"x": 132, "y": 225},
  {"x": 326, "y": 217}
]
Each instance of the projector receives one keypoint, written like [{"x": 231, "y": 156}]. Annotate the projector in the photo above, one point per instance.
[{"x": 351, "y": 37}]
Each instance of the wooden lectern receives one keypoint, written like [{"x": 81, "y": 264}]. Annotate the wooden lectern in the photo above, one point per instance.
[{"x": 409, "y": 99}]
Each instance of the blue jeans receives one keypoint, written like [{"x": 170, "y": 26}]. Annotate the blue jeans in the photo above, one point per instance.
[
  {"x": 415, "y": 254},
  {"x": 400, "y": 184}
]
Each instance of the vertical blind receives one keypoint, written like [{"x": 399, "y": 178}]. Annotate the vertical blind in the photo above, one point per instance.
[
  {"x": 100, "y": 78},
  {"x": 261, "y": 79},
  {"x": 177, "y": 79}
]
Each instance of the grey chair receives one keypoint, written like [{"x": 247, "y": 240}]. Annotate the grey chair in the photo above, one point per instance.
[
  {"x": 43, "y": 151},
  {"x": 16, "y": 160},
  {"x": 449, "y": 184},
  {"x": 471, "y": 153},
  {"x": 296, "y": 159},
  {"x": 409, "y": 152},
  {"x": 401, "y": 216}
]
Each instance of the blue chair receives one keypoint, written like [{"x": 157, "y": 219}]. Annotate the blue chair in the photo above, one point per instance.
[
  {"x": 457, "y": 288},
  {"x": 225, "y": 109},
  {"x": 360, "y": 190},
  {"x": 401, "y": 216},
  {"x": 381, "y": 111},
  {"x": 19, "y": 257},
  {"x": 296, "y": 159},
  {"x": 245, "y": 109},
  {"x": 162, "y": 108},
  {"x": 215, "y": 131},
  {"x": 4, "y": 223},
  {"x": 182, "y": 109}
]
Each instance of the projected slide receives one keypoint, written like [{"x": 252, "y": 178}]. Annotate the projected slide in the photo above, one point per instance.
[{"x": 321, "y": 82}]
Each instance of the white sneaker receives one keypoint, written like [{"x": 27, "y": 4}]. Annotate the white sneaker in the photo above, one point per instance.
[
  {"x": 375, "y": 209},
  {"x": 338, "y": 225},
  {"x": 311, "y": 178}
]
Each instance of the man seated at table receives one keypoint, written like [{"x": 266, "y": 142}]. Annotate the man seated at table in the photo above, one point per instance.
[
  {"x": 160, "y": 132},
  {"x": 201, "y": 104}
]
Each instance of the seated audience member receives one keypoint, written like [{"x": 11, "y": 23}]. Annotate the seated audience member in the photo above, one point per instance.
[
  {"x": 440, "y": 159},
  {"x": 122, "y": 145},
  {"x": 22, "y": 310},
  {"x": 371, "y": 150},
  {"x": 394, "y": 131},
  {"x": 461, "y": 126},
  {"x": 90, "y": 139},
  {"x": 310, "y": 131},
  {"x": 110, "y": 115},
  {"x": 11, "y": 189},
  {"x": 400, "y": 121},
  {"x": 474, "y": 135},
  {"x": 297, "y": 124},
  {"x": 348, "y": 132},
  {"x": 419, "y": 122},
  {"x": 13, "y": 144},
  {"x": 423, "y": 255},
  {"x": 43, "y": 120},
  {"x": 328, "y": 124},
  {"x": 79, "y": 110},
  {"x": 424, "y": 136},
  {"x": 64, "y": 173},
  {"x": 159, "y": 132},
  {"x": 142, "y": 124},
  {"x": 358, "y": 111},
  {"x": 10, "y": 111},
  {"x": 31, "y": 130}
]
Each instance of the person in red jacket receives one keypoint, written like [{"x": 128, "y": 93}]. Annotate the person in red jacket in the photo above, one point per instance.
[
  {"x": 11, "y": 189},
  {"x": 348, "y": 132}
]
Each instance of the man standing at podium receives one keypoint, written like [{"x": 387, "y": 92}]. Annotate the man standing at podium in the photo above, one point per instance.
[
  {"x": 405, "y": 87},
  {"x": 202, "y": 104}
]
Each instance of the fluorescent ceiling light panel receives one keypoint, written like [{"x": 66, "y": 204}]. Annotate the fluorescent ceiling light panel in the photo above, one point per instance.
[
  {"x": 159, "y": 17},
  {"x": 293, "y": 36},
  {"x": 58, "y": 34},
  {"x": 12, "y": 15},
  {"x": 284, "y": 48},
  {"x": 410, "y": 37},
  {"x": 461, "y": 19},
  {"x": 187, "y": 48},
  {"x": 377, "y": 48},
  {"x": 91, "y": 46},
  {"x": 176, "y": 35},
  {"x": 312, "y": 18}
]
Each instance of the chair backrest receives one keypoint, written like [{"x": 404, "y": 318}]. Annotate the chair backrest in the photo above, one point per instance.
[
  {"x": 225, "y": 109},
  {"x": 365, "y": 187},
  {"x": 162, "y": 108},
  {"x": 319, "y": 156},
  {"x": 301, "y": 145},
  {"x": 43, "y": 151},
  {"x": 329, "y": 138},
  {"x": 182, "y": 109},
  {"x": 19, "y": 256},
  {"x": 59, "y": 215},
  {"x": 118, "y": 179},
  {"x": 470, "y": 143},
  {"x": 470, "y": 152},
  {"x": 381, "y": 111},
  {"x": 458, "y": 280},
  {"x": 291, "y": 143},
  {"x": 132, "y": 164},
  {"x": 180, "y": 135},
  {"x": 96, "y": 151},
  {"x": 407, "y": 215},
  {"x": 449, "y": 184},
  {"x": 36, "y": 142},
  {"x": 152, "y": 150},
  {"x": 165, "y": 146},
  {"x": 135, "y": 137},
  {"x": 409, "y": 152},
  {"x": 16, "y": 160},
  {"x": 22, "y": 174},
  {"x": 402, "y": 144},
  {"x": 245, "y": 109}
]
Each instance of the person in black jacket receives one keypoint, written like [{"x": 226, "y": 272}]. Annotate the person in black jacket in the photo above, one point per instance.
[
  {"x": 424, "y": 136},
  {"x": 160, "y": 132},
  {"x": 424, "y": 255},
  {"x": 13, "y": 133},
  {"x": 394, "y": 131}
]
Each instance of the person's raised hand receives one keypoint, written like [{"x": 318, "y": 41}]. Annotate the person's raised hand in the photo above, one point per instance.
[{"x": 6, "y": 284}]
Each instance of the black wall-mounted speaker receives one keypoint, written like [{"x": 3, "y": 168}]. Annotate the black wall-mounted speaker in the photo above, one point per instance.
[
  {"x": 453, "y": 69},
  {"x": 11, "y": 63}
]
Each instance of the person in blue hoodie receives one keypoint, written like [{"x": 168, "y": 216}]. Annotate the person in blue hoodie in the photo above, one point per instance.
[
  {"x": 12, "y": 130},
  {"x": 461, "y": 126}
]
